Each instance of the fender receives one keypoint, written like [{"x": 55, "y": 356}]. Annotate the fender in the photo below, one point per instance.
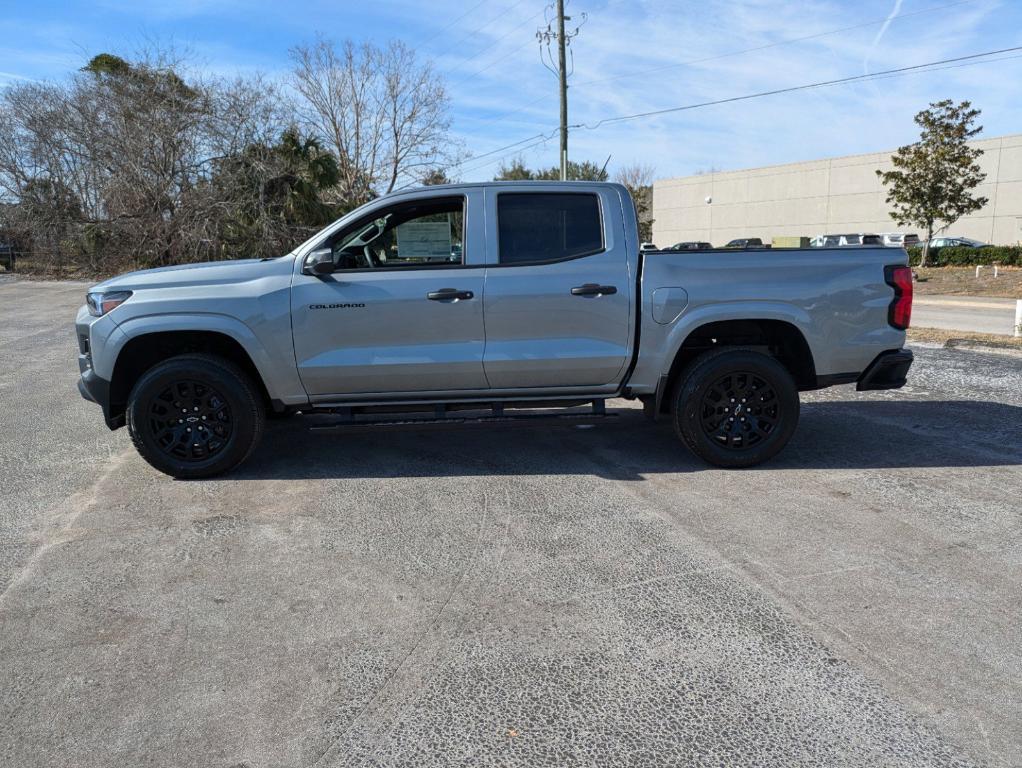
[
  {"x": 660, "y": 343},
  {"x": 281, "y": 381},
  {"x": 692, "y": 319}
]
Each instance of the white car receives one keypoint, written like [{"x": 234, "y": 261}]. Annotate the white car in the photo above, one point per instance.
[
  {"x": 900, "y": 240},
  {"x": 840, "y": 241}
]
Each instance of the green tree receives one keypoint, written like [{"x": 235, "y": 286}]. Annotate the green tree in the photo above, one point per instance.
[
  {"x": 273, "y": 193},
  {"x": 933, "y": 179},
  {"x": 305, "y": 172},
  {"x": 584, "y": 171},
  {"x": 435, "y": 177},
  {"x": 517, "y": 171}
]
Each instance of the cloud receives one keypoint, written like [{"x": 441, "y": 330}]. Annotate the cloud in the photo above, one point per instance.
[
  {"x": 501, "y": 93},
  {"x": 627, "y": 38},
  {"x": 880, "y": 34},
  {"x": 22, "y": 78}
]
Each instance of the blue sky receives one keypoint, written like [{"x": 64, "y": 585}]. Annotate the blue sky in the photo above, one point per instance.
[{"x": 631, "y": 56}]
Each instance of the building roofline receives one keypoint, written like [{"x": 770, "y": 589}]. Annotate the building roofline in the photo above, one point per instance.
[{"x": 794, "y": 163}]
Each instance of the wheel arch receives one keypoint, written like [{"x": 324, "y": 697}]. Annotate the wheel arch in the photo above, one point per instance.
[
  {"x": 781, "y": 338},
  {"x": 142, "y": 351}
]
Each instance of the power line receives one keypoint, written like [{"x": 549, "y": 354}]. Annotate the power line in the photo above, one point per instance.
[
  {"x": 516, "y": 146},
  {"x": 544, "y": 136},
  {"x": 541, "y": 138},
  {"x": 766, "y": 46},
  {"x": 485, "y": 49},
  {"x": 563, "y": 39},
  {"x": 494, "y": 63},
  {"x": 787, "y": 41},
  {"x": 526, "y": 148},
  {"x": 443, "y": 29},
  {"x": 490, "y": 46},
  {"x": 792, "y": 89},
  {"x": 486, "y": 24}
]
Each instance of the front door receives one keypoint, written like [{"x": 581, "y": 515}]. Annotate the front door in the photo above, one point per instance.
[
  {"x": 402, "y": 310},
  {"x": 559, "y": 298}
]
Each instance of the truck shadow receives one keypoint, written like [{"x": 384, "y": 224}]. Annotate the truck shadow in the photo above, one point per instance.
[{"x": 846, "y": 434}]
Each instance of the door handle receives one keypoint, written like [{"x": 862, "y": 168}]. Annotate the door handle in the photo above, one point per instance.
[
  {"x": 593, "y": 289},
  {"x": 449, "y": 294}
]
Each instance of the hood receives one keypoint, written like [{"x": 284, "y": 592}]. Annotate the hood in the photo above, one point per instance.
[{"x": 205, "y": 273}]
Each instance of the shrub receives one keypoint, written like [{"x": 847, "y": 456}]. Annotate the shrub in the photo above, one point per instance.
[{"x": 964, "y": 257}]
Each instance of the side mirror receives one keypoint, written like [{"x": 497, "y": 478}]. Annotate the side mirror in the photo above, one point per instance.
[{"x": 319, "y": 262}]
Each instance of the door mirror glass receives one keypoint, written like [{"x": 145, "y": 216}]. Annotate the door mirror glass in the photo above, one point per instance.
[{"x": 319, "y": 262}]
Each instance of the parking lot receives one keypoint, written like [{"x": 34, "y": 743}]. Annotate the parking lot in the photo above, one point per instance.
[{"x": 531, "y": 596}]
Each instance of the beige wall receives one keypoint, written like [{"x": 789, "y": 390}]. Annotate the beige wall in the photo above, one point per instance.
[{"x": 821, "y": 197}]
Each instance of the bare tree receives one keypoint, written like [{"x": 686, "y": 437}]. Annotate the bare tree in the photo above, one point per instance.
[
  {"x": 639, "y": 180},
  {"x": 385, "y": 115},
  {"x": 113, "y": 166},
  {"x": 146, "y": 162}
]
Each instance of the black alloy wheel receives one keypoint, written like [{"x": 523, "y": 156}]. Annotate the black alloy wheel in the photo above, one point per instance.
[
  {"x": 195, "y": 416},
  {"x": 740, "y": 410},
  {"x": 735, "y": 407},
  {"x": 190, "y": 420}
]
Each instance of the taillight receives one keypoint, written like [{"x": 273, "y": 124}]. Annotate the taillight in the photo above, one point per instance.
[{"x": 899, "y": 314}]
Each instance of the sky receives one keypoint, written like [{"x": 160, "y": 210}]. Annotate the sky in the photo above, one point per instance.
[{"x": 629, "y": 57}]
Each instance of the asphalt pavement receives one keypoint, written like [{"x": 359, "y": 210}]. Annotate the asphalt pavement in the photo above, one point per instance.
[
  {"x": 965, "y": 313},
  {"x": 533, "y": 596}
]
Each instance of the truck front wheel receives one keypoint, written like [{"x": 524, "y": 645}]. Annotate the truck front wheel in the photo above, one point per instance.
[
  {"x": 195, "y": 416},
  {"x": 735, "y": 407}
]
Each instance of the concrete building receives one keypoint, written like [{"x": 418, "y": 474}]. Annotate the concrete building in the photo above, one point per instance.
[{"x": 834, "y": 196}]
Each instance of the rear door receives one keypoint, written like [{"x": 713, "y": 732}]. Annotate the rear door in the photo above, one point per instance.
[
  {"x": 403, "y": 311},
  {"x": 559, "y": 289}
]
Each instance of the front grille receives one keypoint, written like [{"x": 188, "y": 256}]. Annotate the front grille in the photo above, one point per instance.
[{"x": 83, "y": 343}]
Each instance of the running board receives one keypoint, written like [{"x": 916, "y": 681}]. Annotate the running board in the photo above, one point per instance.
[{"x": 352, "y": 423}]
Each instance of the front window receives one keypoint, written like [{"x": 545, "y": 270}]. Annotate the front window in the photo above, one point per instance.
[{"x": 417, "y": 234}]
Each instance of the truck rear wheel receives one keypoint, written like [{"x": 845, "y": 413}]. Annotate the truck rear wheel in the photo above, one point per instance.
[
  {"x": 735, "y": 407},
  {"x": 195, "y": 416}
]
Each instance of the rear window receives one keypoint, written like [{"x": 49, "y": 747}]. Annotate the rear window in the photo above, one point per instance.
[{"x": 537, "y": 227}]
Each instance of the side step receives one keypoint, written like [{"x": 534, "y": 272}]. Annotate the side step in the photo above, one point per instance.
[{"x": 358, "y": 422}]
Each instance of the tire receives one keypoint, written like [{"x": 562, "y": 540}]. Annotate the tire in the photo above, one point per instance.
[
  {"x": 218, "y": 404},
  {"x": 712, "y": 419}
]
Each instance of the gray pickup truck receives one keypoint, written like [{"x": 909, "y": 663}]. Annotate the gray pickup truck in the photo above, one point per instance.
[{"x": 489, "y": 302}]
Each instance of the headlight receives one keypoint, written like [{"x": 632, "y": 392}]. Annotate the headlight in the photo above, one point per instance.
[{"x": 101, "y": 303}]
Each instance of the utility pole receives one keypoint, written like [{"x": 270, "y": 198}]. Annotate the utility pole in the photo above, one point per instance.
[
  {"x": 563, "y": 74},
  {"x": 546, "y": 37}
]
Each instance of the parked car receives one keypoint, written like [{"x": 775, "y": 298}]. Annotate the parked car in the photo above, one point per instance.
[
  {"x": 691, "y": 245},
  {"x": 552, "y": 304},
  {"x": 843, "y": 241},
  {"x": 746, "y": 242},
  {"x": 899, "y": 240},
  {"x": 648, "y": 247},
  {"x": 955, "y": 242}
]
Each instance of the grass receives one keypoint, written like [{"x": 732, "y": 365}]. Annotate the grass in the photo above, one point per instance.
[
  {"x": 962, "y": 281},
  {"x": 963, "y": 338}
]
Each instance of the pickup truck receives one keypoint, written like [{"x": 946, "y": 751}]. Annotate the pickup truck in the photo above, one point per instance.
[{"x": 504, "y": 300}]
